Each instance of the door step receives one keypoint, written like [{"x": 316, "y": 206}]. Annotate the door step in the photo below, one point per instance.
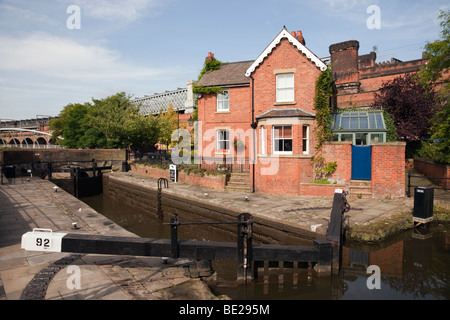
[
  {"x": 360, "y": 189},
  {"x": 239, "y": 182}
]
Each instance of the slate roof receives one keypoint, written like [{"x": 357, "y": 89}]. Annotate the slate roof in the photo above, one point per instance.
[
  {"x": 285, "y": 113},
  {"x": 229, "y": 74}
]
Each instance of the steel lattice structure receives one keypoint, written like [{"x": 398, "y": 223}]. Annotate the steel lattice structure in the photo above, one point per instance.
[{"x": 180, "y": 99}]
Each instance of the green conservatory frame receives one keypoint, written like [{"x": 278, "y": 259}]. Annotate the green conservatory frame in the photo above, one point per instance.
[{"x": 361, "y": 127}]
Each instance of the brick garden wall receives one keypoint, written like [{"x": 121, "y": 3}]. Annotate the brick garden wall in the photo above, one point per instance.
[
  {"x": 434, "y": 170},
  {"x": 287, "y": 174},
  {"x": 388, "y": 169},
  {"x": 340, "y": 151},
  {"x": 210, "y": 181}
]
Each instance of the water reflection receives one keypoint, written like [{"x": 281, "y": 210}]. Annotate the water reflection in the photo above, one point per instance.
[{"x": 416, "y": 265}]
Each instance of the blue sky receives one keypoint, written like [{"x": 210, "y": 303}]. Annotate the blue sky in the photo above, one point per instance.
[{"x": 148, "y": 46}]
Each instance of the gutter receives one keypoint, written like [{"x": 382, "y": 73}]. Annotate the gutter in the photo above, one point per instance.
[{"x": 253, "y": 125}]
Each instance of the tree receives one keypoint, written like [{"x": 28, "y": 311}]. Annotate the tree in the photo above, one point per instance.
[
  {"x": 122, "y": 124},
  {"x": 438, "y": 55},
  {"x": 168, "y": 122},
  {"x": 70, "y": 125},
  {"x": 436, "y": 72},
  {"x": 411, "y": 106},
  {"x": 112, "y": 122}
]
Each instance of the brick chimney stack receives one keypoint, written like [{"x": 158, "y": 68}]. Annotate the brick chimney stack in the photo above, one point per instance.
[
  {"x": 210, "y": 57},
  {"x": 344, "y": 56},
  {"x": 299, "y": 37},
  {"x": 344, "y": 61}
]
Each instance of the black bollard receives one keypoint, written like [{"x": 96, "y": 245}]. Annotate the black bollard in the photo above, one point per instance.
[
  {"x": 174, "y": 249},
  {"x": 244, "y": 245}
]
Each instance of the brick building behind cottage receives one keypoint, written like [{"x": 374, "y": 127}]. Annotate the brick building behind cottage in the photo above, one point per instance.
[{"x": 359, "y": 77}]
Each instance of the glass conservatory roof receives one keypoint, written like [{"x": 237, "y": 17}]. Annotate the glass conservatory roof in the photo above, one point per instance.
[{"x": 358, "y": 121}]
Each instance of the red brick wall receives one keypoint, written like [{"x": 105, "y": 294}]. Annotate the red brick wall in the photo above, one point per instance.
[
  {"x": 210, "y": 181},
  {"x": 434, "y": 170},
  {"x": 319, "y": 190},
  {"x": 389, "y": 259},
  {"x": 341, "y": 152},
  {"x": 285, "y": 56},
  {"x": 388, "y": 169},
  {"x": 239, "y": 117},
  {"x": 286, "y": 180}
]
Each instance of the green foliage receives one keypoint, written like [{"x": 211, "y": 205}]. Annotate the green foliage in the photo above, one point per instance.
[
  {"x": 71, "y": 125},
  {"x": 438, "y": 53},
  {"x": 330, "y": 168},
  {"x": 168, "y": 122},
  {"x": 436, "y": 71},
  {"x": 323, "y": 93},
  {"x": 321, "y": 181},
  {"x": 391, "y": 134},
  {"x": 208, "y": 66},
  {"x": 113, "y": 122}
]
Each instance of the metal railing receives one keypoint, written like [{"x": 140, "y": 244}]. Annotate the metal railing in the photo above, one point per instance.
[
  {"x": 431, "y": 178},
  {"x": 220, "y": 163}
]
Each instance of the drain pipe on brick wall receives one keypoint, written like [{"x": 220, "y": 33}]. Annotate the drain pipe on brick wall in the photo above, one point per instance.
[{"x": 253, "y": 125}]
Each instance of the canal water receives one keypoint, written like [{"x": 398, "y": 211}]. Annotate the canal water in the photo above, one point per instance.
[{"x": 414, "y": 265}]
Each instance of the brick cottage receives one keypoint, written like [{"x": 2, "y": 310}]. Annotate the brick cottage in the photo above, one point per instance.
[{"x": 263, "y": 123}]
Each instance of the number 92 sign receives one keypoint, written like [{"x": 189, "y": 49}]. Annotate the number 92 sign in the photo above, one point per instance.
[{"x": 42, "y": 240}]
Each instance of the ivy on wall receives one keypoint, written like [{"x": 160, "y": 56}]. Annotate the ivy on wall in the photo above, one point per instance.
[
  {"x": 322, "y": 98},
  {"x": 212, "y": 65}
]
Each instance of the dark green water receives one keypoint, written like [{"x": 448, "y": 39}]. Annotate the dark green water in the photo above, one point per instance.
[{"x": 415, "y": 265}]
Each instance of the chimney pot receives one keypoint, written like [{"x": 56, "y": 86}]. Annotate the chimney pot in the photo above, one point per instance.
[
  {"x": 210, "y": 57},
  {"x": 300, "y": 37}
]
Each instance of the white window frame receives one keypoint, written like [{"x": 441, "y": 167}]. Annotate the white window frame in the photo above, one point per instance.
[
  {"x": 305, "y": 140},
  {"x": 285, "y": 87},
  {"x": 220, "y": 140},
  {"x": 263, "y": 141},
  {"x": 283, "y": 138},
  {"x": 223, "y": 101}
]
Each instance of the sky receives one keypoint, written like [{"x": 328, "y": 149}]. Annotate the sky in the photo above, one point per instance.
[{"x": 57, "y": 52}]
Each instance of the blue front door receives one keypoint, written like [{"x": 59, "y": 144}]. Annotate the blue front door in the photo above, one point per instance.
[{"x": 361, "y": 162}]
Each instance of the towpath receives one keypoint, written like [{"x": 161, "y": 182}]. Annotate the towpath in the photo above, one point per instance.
[{"x": 32, "y": 275}]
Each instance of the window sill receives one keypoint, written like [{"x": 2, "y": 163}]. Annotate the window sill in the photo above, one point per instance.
[
  {"x": 277, "y": 155},
  {"x": 221, "y": 153},
  {"x": 284, "y": 103},
  {"x": 224, "y": 111}
]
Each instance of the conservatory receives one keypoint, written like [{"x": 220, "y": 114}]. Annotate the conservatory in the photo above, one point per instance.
[{"x": 359, "y": 127}]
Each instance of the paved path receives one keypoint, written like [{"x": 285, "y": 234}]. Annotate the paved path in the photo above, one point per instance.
[{"x": 25, "y": 205}]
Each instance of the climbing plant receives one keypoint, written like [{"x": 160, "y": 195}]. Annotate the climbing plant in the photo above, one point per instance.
[
  {"x": 322, "y": 98},
  {"x": 214, "y": 64}
]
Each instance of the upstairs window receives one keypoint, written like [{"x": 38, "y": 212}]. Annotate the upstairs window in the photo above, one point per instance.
[
  {"x": 285, "y": 87},
  {"x": 223, "y": 103},
  {"x": 282, "y": 139}
]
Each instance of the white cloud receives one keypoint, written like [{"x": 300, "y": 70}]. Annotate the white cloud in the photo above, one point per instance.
[
  {"x": 118, "y": 9},
  {"x": 53, "y": 56},
  {"x": 17, "y": 13},
  {"x": 45, "y": 72},
  {"x": 333, "y": 6}
]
